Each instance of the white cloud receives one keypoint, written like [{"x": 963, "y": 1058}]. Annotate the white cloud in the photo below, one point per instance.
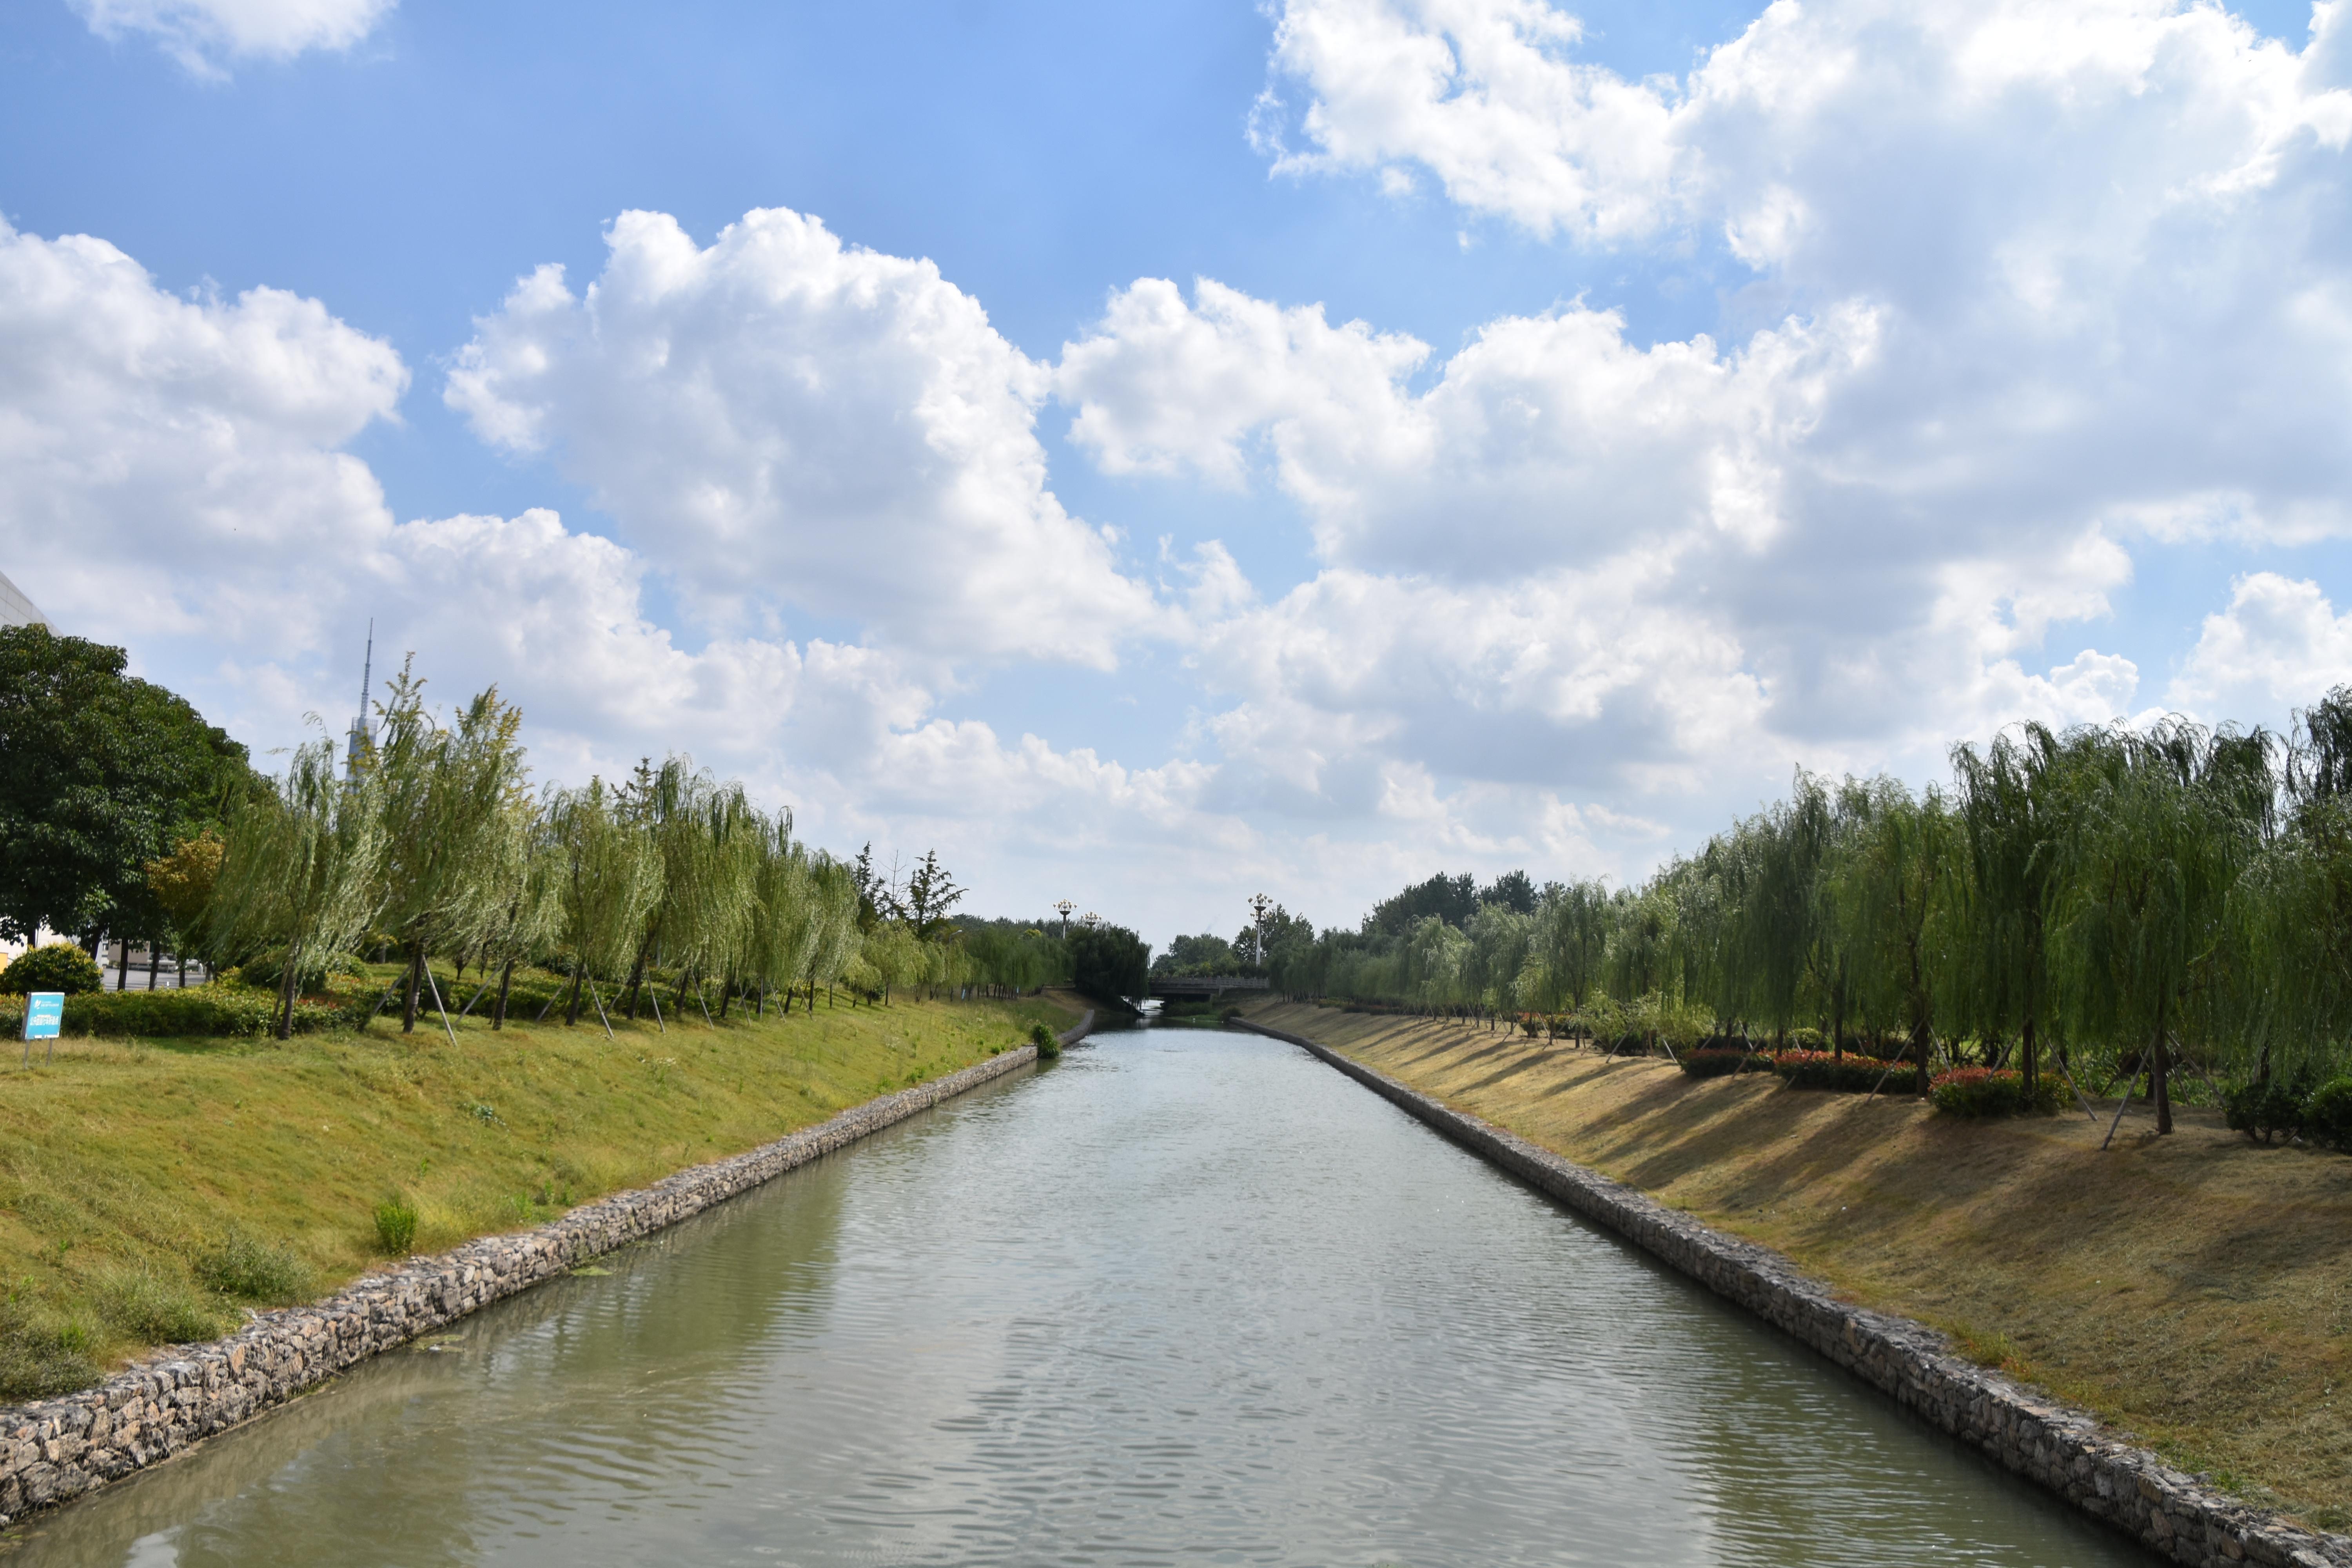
[
  {"x": 2280, "y": 646},
  {"x": 201, "y": 34},
  {"x": 780, "y": 416},
  {"x": 1813, "y": 113},
  {"x": 168, "y": 466}
]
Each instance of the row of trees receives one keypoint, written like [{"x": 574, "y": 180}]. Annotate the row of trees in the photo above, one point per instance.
[
  {"x": 431, "y": 842},
  {"x": 2137, "y": 897}
]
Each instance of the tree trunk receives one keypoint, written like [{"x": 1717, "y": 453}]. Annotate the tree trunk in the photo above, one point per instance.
[
  {"x": 122, "y": 962},
  {"x": 498, "y": 1012},
  {"x": 415, "y": 984},
  {"x": 2159, "y": 1081},
  {"x": 571, "y": 1012},
  {"x": 636, "y": 979},
  {"x": 725, "y": 994},
  {"x": 2029, "y": 1063},
  {"x": 154, "y": 963},
  {"x": 286, "y": 988}
]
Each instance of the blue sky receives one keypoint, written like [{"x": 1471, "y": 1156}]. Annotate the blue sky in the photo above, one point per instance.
[{"x": 1590, "y": 415}]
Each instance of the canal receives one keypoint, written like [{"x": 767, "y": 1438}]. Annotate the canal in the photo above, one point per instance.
[{"x": 1183, "y": 1297}]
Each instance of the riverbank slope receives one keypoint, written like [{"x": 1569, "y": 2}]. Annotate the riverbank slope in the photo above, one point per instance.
[
  {"x": 2191, "y": 1289},
  {"x": 151, "y": 1191}
]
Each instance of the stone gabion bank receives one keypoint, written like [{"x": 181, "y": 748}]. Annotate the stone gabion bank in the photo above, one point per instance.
[
  {"x": 58, "y": 1449},
  {"x": 2064, "y": 1449}
]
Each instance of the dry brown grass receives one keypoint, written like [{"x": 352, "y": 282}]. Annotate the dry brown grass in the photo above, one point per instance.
[{"x": 2192, "y": 1290}]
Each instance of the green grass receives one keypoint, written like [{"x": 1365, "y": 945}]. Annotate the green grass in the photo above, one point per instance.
[{"x": 151, "y": 1190}]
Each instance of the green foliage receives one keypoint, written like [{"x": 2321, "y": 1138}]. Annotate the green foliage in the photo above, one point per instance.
[
  {"x": 2267, "y": 1108},
  {"x": 1110, "y": 964},
  {"x": 244, "y": 1266},
  {"x": 100, "y": 774},
  {"x": 1985, "y": 1091},
  {"x": 53, "y": 966},
  {"x": 1850, "y": 1074},
  {"x": 266, "y": 971},
  {"x": 1048, "y": 1044},
  {"x": 1718, "y": 1062},
  {"x": 200, "y": 1011},
  {"x": 2327, "y": 1115},
  {"x": 146, "y": 1305},
  {"x": 41, "y": 1353},
  {"x": 395, "y": 1227}
]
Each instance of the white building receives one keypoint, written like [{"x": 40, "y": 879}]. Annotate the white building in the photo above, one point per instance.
[{"x": 15, "y": 610}]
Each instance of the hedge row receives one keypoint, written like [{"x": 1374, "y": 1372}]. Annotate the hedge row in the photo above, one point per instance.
[
  {"x": 208, "y": 1010},
  {"x": 1824, "y": 1069},
  {"x": 1988, "y": 1091}
]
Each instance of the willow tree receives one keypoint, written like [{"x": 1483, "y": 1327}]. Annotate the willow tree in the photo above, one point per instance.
[
  {"x": 448, "y": 799},
  {"x": 834, "y": 938},
  {"x": 2160, "y": 826},
  {"x": 299, "y": 871},
  {"x": 705, "y": 834},
  {"x": 1887, "y": 864},
  {"x": 781, "y": 926},
  {"x": 1569, "y": 941},
  {"x": 531, "y": 870},
  {"x": 2291, "y": 911},
  {"x": 2008, "y": 807},
  {"x": 610, "y": 877}
]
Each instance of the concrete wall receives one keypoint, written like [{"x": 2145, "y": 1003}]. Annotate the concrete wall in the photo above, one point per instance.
[
  {"x": 2062, "y": 1448},
  {"x": 58, "y": 1449}
]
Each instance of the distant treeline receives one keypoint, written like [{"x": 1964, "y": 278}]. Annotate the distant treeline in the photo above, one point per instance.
[{"x": 2136, "y": 900}]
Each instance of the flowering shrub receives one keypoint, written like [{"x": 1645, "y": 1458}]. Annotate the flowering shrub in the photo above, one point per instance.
[
  {"x": 1713, "y": 1061},
  {"x": 1859, "y": 1075},
  {"x": 1983, "y": 1091}
]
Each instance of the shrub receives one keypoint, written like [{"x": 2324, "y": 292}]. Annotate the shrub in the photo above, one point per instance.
[
  {"x": 258, "y": 1271},
  {"x": 263, "y": 971},
  {"x": 1807, "y": 1040},
  {"x": 1988, "y": 1091},
  {"x": 201, "y": 1011},
  {"x": 2267, "y": 1109},
  {"x": 395, "y": 1227},
  {"x": 1048, "y": 1044},
  {"x": 54, "y": 967},
  {"x": 145, "y": 1306},
  {"x": 1713, "y": 1061},
  {"x": 1859, "y": 1075},
  {"x": 40, "y": 1355},
  {"x": 2327, "y": 1115}
]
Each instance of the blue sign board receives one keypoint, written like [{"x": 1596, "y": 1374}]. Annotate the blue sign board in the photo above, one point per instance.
[{"x": 44, "y": 1012}]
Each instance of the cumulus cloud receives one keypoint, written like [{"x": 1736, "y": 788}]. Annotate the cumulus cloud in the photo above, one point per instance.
[
  {"x": 2278, "y": 645},
  {"x": 2013, "y": 295},
  {"x": 204, "y": 34},
  {"x": 170, "y": 466},
  {"x": 779, "y": 415},
  {"x": 171, "y": 479}
]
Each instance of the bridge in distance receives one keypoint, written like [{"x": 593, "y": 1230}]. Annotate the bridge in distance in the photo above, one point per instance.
[{"x": 1202, "y": 987}]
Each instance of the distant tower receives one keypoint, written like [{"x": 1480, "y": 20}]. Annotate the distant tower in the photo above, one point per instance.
[{"x": 364, "y": 732}]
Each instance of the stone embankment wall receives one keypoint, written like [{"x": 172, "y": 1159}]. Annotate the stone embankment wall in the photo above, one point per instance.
[
  {"x": 58, "y": 1449},
  {"x": 2064, "y": 1448}
]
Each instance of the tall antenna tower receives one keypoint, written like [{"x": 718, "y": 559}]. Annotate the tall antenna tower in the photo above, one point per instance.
[{"x": 364, "y": 732}]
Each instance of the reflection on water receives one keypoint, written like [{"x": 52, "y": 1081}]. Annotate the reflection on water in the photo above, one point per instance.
[{"x": 1184, "y": 1298}]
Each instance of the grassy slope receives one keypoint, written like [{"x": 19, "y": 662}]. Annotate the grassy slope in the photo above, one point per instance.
[
  {"x": 125, "y": 1163},
  {"x": 2192, "y": 1289}
]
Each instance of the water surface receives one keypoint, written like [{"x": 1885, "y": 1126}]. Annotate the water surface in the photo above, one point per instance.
[{"x": 1184, "y": 1298}]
